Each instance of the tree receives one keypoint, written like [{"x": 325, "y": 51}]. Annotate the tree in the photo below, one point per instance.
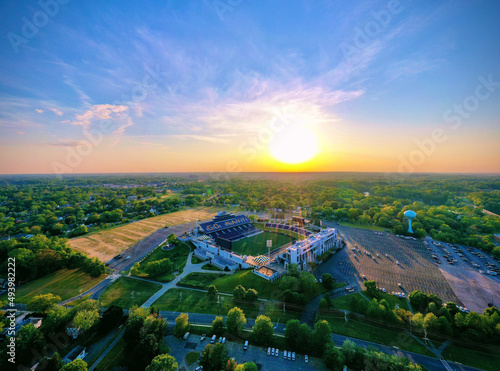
[
  {"x": 288, "y": 283},
  {"x": 307, "y": 282},
  {"x": 163, "y": 362},
  {"x": 42, "y": 303},
  {"x": 181, "y": 325},
  {"x": 110, "y": 318},
  {"x": 212, "y": 291},
  {"x": 418, "y": 300},
  {"x": 239, "y": 293},
  {"x": 323, "y": 304},
  {"x": 251, "y": 295},
  {"x": 328, "y": 281},
  {"x": 235, "y": 321},
  {"x": 293, "y": 270},
  {"x": 333, "y": 357},
  {"x": 305, "y": 338},
  {"x": 292, "y": 333},
  {"x": 28, "y": 339},
  {"x": 56, "y": 317},
  {"x": 349, "y": 351},
  {"x": 76, "y": 365},
  {"x": 85, "y": 319},
  {"x": 250, "y": 366},
  {"x": 135, "y": 269},
  {"x": 213, "y": 357},
  {"x": 322, "y": 336},
  {"x": 218, "y": 326},
  {"x": 263, "y": 330},
  {"x": 371, "y": 288},
  {"x": 54, "y": 363}
]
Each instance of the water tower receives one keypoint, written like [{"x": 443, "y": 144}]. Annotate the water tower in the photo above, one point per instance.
[{"x": 410, "y": 215}]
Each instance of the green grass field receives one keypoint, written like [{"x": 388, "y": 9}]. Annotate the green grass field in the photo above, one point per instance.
[
  {"x": 265, "y": 289},
  {"x": 363, "y": 226},
  {"x": 256, "y": 245},
  {"x": 363, "y": 329},
  {"x": 177, "y": 255},
  {"x": 65, "y": 282},
  {"x": 126, "y": 292},
  {"x": 486, "y": 360},
  {"x": 246, "y": 278},
  {"x": 199, "y": 302},
  {"x": 199, "y": 280},
  {"x": 343, "y": 302}
]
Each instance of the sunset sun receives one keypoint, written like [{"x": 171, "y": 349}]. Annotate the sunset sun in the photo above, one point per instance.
[{"x": 294, "y": 145}]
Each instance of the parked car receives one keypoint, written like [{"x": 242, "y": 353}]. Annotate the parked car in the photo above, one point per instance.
[
  {"x": 245, "y": 347},
  {"x": 277, "y": 352},
  {"x": 293, "y": 356},
  {"x": 272, "y": 351},
  {"x": 224, "y": 340},
  {"x": 285, "y": 354},
  {"x": 269, "y": 351},
  {"x": 306, "y": 358},
  {"x": 186, "y": 335},
  {"x": 203, "y": 337},
  {"x": 213, "y": 339}
]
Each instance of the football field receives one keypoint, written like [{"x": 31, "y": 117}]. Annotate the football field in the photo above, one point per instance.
[{"x": 256, "y": 245}]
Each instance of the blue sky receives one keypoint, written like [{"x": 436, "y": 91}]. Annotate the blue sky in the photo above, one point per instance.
[{"x": 182, "y": 86}]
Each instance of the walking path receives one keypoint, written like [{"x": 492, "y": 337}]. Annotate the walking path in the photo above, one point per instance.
[{"x": 92, "y": 368}]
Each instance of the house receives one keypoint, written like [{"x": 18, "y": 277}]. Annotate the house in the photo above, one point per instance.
[{"x": 77, "y": 352}]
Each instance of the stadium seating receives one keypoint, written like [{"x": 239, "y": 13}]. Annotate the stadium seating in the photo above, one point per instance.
[
  {"x": 300, "y": 231},
  {"x": 230, "y": 227}
]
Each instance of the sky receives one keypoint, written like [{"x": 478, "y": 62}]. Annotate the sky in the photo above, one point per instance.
[{"x": 238, "y": 85}]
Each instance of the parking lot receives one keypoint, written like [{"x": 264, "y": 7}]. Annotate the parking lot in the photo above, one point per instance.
[
  {"x": 474, "y": 289},
  {"x": 407, "y": 263},
  {"x": 179, "y": 349}
]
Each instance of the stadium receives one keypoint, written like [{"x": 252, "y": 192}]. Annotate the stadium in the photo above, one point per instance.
[
  {"x": 233, "y": 241},
  {"x": 238, "y": 234}
]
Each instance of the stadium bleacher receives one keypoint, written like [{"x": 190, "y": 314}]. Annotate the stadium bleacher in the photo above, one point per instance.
[
  {"x": 301, "y": 231},
  {"x": 230, "y": 227}
]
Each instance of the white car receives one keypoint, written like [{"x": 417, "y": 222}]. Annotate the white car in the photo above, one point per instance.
[
  {"x": 269, "y": 351},
  {"x": 277, "y": 352},
  {"x": 293, "y": 356},
  {"x": 306, "y": 358},
  {"x": 285, "y": 354},
  {"x": 272, "y": 352}
]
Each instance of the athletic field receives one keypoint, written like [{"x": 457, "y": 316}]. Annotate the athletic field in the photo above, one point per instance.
[{"x": 256, "y": 245}]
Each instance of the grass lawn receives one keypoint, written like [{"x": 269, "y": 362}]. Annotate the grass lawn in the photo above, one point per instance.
[
  {"x": 199, "y": 280},
  {"x": 126, "y": 292},
  {"x": 192, "y": 357},
  {"x": 115, "y": 357},
  {"x": 195, "y": 260},
  {"x": 366, "y": 330},
  {"x": 210, "y": 267},
  {"x": 265, "y": 289},
  {"x": 392, "y": 300},
  {"x": 256, "y": 245},
  {"x": 65, "y": 282},
  {"x": 343, "y": 302},
  {"x": 199, "y": 302},
  {"x": 487, "y": 360},
  {"x": 178, "y": 255},
  {"x": 246, "y": 278}
]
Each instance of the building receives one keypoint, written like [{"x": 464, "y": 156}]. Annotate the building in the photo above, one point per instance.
[
  {"x": 306, "y": 251},
  {"x": 77, "y": 352},
  {"x": 497, "y": 237}
]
